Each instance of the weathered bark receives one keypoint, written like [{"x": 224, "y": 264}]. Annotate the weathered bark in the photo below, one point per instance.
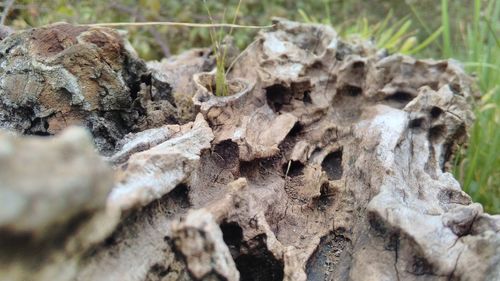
[
  {"x": 62, "y": 75},
  {"x": 329, "y": 161}
]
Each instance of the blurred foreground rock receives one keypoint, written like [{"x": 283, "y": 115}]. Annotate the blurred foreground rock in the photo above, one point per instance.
[
  {"x": 329, "y": 161},
  {"x": 52, "y": 204}
]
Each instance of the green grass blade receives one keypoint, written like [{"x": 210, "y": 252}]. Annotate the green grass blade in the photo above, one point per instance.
[
  {"x": 399, "y": 35},
  {"x": 408, "y": 44},
  {"x": 327, "y": 11},
  {"x": 383, "y": 25},
  {"x": 304, "y": 16},
  {"x": 445, "y": 24},
  {"x": 427, "y": 41}
]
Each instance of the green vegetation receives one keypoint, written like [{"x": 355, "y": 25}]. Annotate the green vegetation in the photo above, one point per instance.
[
  {"x": 220, "y": 51},
  {"x": 396, "y": 37},
  {"x": 478, "y": 166},
  {"x": 424, "y": 28}
]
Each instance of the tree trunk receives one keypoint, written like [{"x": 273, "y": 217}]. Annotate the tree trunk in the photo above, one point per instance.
[{"x": 329, "y": 161}]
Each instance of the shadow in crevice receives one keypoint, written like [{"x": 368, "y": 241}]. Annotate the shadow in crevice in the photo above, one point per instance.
[
  {"x": 257, "y": 263},
  {"x": 293, "y": 168},
  {"x": 232, "y": 234},
  {"x": 279, "y": 97},
  {"x": 323, "y": 262},
  {"x": 399, "y": 99},
  {"x": 350, "y": 91},
  {"x": 253, "y": 260},
  {"x": 332, "y": 165}
]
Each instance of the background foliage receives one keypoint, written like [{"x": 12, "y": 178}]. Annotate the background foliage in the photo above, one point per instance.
[{"x": 468, "y": 31}]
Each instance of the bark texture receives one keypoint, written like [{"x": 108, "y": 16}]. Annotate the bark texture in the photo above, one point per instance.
[
  {"x": 61, "y": 75},
  {"x": 328, "y": 161}
]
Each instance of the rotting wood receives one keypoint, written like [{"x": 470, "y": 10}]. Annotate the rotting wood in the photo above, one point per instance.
[{"x": 330, "y": 161}]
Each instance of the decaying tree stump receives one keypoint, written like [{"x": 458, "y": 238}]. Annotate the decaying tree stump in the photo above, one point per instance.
[{"x": 328, "y": 161}]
